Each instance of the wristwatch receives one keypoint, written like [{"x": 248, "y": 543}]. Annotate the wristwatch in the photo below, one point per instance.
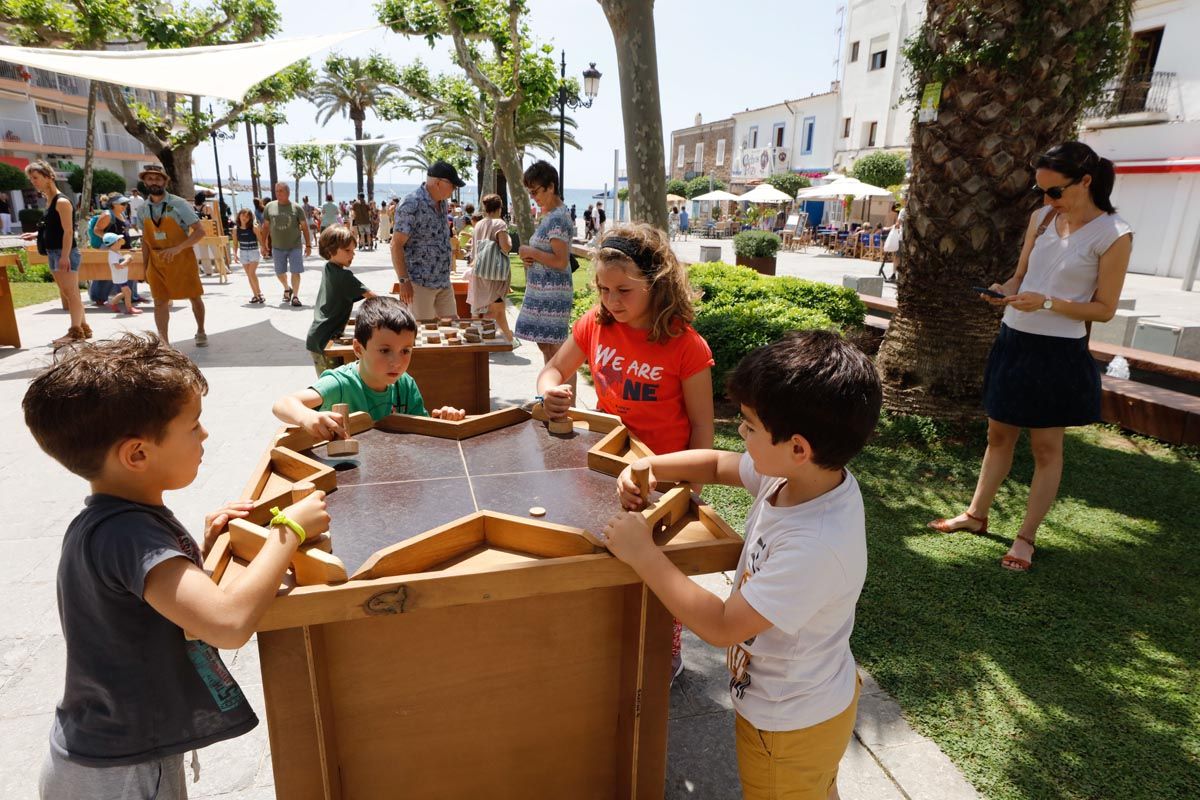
[
  {"x": 402, "y": 281},
  {"x": 1048, "y": 303}
]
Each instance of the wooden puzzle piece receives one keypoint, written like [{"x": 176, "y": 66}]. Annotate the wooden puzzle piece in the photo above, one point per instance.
[{"x": 342, "y": 447}]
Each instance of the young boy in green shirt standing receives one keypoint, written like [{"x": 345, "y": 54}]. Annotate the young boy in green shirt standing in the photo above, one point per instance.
[
  {"x": 377, "y": 383},
  {"x": 340, "y": 290}
]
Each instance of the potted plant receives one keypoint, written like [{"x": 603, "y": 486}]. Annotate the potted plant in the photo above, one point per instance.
[{"x": 756, "y": 249}]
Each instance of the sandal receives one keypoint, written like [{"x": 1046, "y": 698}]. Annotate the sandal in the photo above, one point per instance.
[
  {"x": 296, "y": 301},
  {"x": 943, "y": 526},
  {"x": 1015, "y": 564},
  {"x": 287, "y": 295},
  {"x": 73, "y": 334},
  {"x": 258, "y": 298}
]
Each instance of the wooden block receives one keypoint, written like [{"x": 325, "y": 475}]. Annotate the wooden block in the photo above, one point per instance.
[
  {"x": 342, "y": 447},
  {"x": 454, "y": 340},
  {"x": 433, "y": 338},
  {"x": 537, "y": 511},
  {"x": 431, "y": 326},
  {"x": 561, "y": 427},
  {"x": 642, "y": 478},
  {"x": 489, "y": 334}
]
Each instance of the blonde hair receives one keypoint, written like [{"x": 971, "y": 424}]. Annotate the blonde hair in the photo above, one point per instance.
[
  {"x": 40, "y": 166},
  {"x": 671, "y": 293}
]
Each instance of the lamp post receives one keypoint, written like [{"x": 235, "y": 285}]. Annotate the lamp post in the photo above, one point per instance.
[
  {"x": 223, "y": 136},
  {"x": 591, "y": 87}
]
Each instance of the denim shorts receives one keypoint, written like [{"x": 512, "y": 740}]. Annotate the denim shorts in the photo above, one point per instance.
[
  {"x": 52, "y": 257},
  {"x": 288, "y": 260},
  {"x": 249, "y": 255}
]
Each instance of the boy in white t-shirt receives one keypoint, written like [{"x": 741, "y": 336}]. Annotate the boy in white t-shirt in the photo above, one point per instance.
[
  {"x": 118, "y": 266},
  {"x": 809, "y": 403}
]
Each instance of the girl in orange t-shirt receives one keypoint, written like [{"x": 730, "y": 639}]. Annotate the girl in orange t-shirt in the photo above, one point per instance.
[{"x": 649, "y": 365}]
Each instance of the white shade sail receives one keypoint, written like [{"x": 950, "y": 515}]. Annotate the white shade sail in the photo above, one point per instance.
[
  {"x": 227, "y": 71},
  {"x": 842, "y": 188},
  {"x": 766, "y": 193},
  {"x": 717, "y": 195}
]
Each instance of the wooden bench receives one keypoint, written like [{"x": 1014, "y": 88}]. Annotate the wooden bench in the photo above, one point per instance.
[
  {"x": 93, "y": 265},
  {"x": 9, "y": 334}
]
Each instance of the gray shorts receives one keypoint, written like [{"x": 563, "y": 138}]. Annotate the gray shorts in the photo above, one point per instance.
[
  {"x": 161, "y": 779},
  {"x": 288, "y": 260}
]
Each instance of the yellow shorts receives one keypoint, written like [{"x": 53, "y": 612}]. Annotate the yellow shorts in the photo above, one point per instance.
[{"x": 793, "y": 765}]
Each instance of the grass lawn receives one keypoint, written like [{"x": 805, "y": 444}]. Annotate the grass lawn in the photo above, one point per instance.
[
  {"x": 581, "y": 278},
  {"x": 28, "y": 294},
  {"x": 1080, "y": 679}
]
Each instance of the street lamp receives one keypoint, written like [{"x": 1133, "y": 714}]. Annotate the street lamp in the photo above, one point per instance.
[{"x": 591, "y": 87}]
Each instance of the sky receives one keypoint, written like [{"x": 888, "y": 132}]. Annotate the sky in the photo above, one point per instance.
[{"x": 714, "y": 58}]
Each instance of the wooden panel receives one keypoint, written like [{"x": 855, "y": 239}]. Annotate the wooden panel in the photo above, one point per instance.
[
  {"x": 93, "y": 265},
  {"x": 1149, "y": 410},
  {"x": 423, "y": 553},
  {"x": 318, "y": 664},
  {"x": 453, "y": 429},
  {"x": 9, "y": 333},
  {"x": 311, "y": 566},
  {"x": 1182, "y": 368},
  {"x": 291, "y": 723},
  {"x": 543, "y": 539},
  {"x": 448, "y": 378}
]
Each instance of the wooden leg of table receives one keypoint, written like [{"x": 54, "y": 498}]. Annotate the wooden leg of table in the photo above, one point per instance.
[
  {"x": 9, "y": 334},
  {"x": 641, "y": 767},
  {"x": 483, "y": 384}
]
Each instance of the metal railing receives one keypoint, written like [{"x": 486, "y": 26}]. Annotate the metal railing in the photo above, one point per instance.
[
  {"x": 1135, "y": 94},
  {"x": 13, "y": 131},
  {"x": 62, "y": 136}
]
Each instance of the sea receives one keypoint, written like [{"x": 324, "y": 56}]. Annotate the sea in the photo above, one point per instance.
[{"x": 347, "y": 190}]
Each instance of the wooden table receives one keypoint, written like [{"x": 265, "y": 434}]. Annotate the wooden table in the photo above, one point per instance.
[
  {"x": 452, "y": 645},
  {"x": 9, "y": 333},
  {"x": 448, "y": 375}
]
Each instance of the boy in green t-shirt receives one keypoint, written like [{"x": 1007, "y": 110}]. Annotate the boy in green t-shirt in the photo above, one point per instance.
[
  {"x": 378, "y": 383},
  {"x": 340, "y": 290}
]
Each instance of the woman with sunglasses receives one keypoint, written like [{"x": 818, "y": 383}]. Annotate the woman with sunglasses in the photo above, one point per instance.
[{"x": 1040, "y": 374}]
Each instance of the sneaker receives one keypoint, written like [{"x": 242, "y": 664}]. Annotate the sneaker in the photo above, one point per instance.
[{"x": 201, "y": 339}]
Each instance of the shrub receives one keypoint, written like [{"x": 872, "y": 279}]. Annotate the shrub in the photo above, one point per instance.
[
  {"x": 723, "y": 284},
  {"x": 732, "y": 331},
  {"x": 37, "y": 273},
  {"x": 879, "y": 169},
  {"x": 788, "y": 182},
  {"x": 583, "y": 303},
  {"x": 104, "y": 181},
  {"x": 30, "y": 217},
  {"x": 12, "y": 179},
  {"x": 676, "y": 186},
  {"x": 699, "y": 185},
  {"x": 756, "y": 244}
]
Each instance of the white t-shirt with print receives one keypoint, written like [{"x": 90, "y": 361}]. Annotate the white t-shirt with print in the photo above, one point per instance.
[
  {"x": 802, "y": 569},
  {"x": 118, "y": 267}
]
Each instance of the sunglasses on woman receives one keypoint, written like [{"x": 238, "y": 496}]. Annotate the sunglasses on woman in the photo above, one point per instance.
[{"x": 1054, "y": 192}]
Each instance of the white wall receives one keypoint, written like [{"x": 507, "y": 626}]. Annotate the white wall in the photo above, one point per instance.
[
  {"x": 766, "y": 119},
  {"x": 1180, "y": 21},
  {"x": 825, "y": 108}
]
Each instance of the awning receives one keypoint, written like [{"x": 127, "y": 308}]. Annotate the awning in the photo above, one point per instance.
[
  {"x": 1158, "y": 165},
  {"x": 227, "y": 70},
  {"x": 15, "y": 161}
]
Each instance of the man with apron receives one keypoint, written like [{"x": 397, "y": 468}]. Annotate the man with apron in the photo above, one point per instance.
[{"x": 169, "y": 229}]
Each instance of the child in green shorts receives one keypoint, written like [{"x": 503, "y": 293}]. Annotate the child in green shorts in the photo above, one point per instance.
[{"x": 377, "y": 383}]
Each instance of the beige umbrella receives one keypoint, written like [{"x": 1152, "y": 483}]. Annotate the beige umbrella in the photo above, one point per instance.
[{"x": 674, "y": 198}]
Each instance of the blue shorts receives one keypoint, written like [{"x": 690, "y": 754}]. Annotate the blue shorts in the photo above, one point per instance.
[
  {"x": 288, "y": 260},
  {"x": 52, "y": 257}
]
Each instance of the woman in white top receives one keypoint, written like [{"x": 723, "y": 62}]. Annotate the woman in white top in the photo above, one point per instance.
[{"x": 1040, "y": 373}]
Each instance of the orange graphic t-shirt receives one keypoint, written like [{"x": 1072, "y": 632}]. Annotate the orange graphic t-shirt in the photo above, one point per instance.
[{"x": 641, "y": 381}]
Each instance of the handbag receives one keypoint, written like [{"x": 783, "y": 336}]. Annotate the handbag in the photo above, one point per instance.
[
  {"x": 574, "y": 261},
  {"x": 491, "y": 263}
]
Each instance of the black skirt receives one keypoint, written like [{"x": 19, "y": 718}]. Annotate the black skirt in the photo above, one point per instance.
[{"x": 1036, "y": 381}]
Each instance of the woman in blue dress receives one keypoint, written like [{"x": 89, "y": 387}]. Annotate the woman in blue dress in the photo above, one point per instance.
[{"x": 545, "y": 317}]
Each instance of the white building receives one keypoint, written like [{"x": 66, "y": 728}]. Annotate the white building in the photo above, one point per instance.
[
  {"x": 871, "y": 116},
  {"x": 792, "y": 136},
  {"x": 43, "y": 115},
  {"x": 1149, "y": 125}
]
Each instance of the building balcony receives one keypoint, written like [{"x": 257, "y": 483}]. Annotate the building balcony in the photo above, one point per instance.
[
  {"x": 14, "y": 133},
  {"x": 1133, "y": 100}
]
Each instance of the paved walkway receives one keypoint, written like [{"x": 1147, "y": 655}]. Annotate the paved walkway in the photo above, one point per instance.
[{"x": 256, "y": 353}]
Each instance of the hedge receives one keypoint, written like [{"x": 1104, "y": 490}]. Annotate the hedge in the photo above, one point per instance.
[
  {"x": 732, "y": 331},
  {"x": 725, "y": 284}
]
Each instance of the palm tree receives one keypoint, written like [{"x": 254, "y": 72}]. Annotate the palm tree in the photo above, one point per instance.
[
  {"x": 376, "y": 157},
  {"x": 969, "y": 200},
  {"x": 350, "y": 86},
  {"x": 537, "y": 130}
]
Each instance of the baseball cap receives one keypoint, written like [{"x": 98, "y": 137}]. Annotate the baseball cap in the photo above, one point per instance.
[
  {"x": 111, "y": 238},
  {"x": 446, "y": 171}
]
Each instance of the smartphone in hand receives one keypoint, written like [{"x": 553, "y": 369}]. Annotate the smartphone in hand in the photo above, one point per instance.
[{"x": 989, "y": 292}]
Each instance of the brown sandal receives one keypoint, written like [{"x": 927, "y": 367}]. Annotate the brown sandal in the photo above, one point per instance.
[
  {"x": 87, "y": 330},
  {"x": 73, "y": 334},
  {"x": 943, "y": 526},
  {"x": 1014, "y": 564}
]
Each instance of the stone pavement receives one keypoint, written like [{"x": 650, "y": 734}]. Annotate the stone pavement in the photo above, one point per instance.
[{"x": 255, "y": 354}]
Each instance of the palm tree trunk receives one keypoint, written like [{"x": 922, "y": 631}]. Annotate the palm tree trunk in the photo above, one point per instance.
[
  {"x": 358, "y": 153},
  {"x": 370, "y": 186},
  {"x": 632, "y": 24},
  {"x": 272, "y": 165},
  {"x": 89, "y": 153},
  {"x": 969, "y": 203}
]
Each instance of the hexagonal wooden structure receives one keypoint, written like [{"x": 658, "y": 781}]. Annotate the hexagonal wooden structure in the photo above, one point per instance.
[{"x": 440, "y": 654}]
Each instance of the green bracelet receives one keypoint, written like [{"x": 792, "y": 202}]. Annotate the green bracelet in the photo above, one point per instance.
[{"x": 283, "y": 519}]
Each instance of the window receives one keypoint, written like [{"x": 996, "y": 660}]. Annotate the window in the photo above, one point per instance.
[
  {"x": 808, "y": 130},
  {"x": 720, "y": 152},
  {"x": 777, "y": 134},
  {"x": 878, "y": 60},
  {"x": 49, "y": 116},
  {"x": 846, "y": 128},
  {"x": 681, "y": 157},
  {"x": 871, "y": 128},
  {"x": 853, "y": 52},
  {"x": 699, "y": 163},
  {"x": 753, "y": 136}
]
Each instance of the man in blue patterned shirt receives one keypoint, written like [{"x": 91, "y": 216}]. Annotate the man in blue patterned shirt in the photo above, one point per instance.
[{"x": 421, "y": 252}]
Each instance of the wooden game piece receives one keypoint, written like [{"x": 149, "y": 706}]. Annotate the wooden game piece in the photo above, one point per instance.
[
  {"x": 446, "y": 320},
  {"x": 561, "y": 426},
  {"x": 488, "y": 334},
  {"x": 642, "y": 478},
  {"x": 433, "y": 338},
  {"x": 463, "y": 324},
  {"x": 431, "y": 326},
  {"x": 342, "y": 447},
  {"x": 473, "y": 338},
  {"x": 454, "y": 340},
  {"x": 537, "y": 511}
]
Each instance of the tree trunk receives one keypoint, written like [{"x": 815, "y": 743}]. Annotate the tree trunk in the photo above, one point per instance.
[
  {"x": 358, "y": 153},
  {"x": 969, "y": 203},
  {"x": 370, "y": 186},
  {"x": 510, "y": 162},
  {"x": 177, "y": 161},
  {"x": 272, "y": 165},
  {"x": 632, "y": 24},
  {"x": 83, "y": 212},
  {"x": 487, "y": 173},
  {"x": 501, "y": 188},
  {"x": 255, "y": 189},
  {"x": 296, "y": 195}
]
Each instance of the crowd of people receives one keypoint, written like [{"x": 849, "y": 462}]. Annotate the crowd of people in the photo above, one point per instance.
[{"x": 130, "y": 579}]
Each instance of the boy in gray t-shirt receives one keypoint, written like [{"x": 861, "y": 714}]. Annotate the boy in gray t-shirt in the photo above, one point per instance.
[{"x": 124, "y": 414}]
